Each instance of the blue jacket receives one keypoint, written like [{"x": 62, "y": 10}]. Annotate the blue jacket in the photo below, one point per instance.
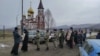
[{"x": 17, "y": 37}]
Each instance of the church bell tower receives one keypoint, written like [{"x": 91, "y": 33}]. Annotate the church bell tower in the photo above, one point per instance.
[{"x": 41, "y": 23}]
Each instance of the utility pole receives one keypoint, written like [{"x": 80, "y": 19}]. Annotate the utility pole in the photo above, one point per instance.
[
  {"x": 22, "y": 19},
  {"x": 3, "y": 31}
]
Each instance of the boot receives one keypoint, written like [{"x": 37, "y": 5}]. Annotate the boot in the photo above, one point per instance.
[
  {"x": 47, "y": 48},
  {"x": 38, "y": 49}
]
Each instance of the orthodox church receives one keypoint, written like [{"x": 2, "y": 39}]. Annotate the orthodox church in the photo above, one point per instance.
[{"x": 32, "y": 22}]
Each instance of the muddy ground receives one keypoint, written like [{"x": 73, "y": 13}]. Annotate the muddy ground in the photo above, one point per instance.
[{"x": 5, "y": 51}]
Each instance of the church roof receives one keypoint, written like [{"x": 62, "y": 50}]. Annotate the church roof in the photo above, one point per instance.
[
  {"x": 30, "y": 10},
  {"x": 40, "y": 5}
]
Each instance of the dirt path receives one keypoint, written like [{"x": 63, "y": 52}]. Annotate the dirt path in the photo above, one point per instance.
[{"x": 32, "y": 52}]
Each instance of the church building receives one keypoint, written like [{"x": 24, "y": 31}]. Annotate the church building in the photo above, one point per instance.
[{"x": 32, "y": 22}]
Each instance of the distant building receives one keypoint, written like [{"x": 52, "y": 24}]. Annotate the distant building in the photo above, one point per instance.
[{"x": 34, "y": 22}]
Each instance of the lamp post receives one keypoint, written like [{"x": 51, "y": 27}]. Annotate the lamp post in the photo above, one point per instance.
[{"x": 22, "y": 19}]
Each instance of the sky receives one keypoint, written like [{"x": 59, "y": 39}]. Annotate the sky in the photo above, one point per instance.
[{"x": 65, "y": 12}]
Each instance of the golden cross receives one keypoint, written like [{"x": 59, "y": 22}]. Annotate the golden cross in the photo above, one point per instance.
[{"x": 30, "y": 3}]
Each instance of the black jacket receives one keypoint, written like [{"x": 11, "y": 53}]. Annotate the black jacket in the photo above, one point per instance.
[{"x": 17, "y": 37}]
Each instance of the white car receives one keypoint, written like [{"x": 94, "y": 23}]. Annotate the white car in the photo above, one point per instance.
[{"x": 32, "y": 36}]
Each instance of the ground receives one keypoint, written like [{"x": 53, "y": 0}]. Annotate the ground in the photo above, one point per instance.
[{"x": 32, "y": 52}]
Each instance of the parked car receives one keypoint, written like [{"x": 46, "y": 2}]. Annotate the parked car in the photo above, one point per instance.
[
  {"x": 90, "y": 48},
  {"x": 51, "y": 37},
  {"x": 32, "y": 36}
]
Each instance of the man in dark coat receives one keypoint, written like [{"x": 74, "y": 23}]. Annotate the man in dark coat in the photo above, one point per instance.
[
  {"x": 61, "y": 38},
  {"x": 17, "y": 39},
  {"x": 25, "y": 42},
  {"x": 84, "y": 35},
  {"x": 98, "y": 35},
  {"x": 75, "y": 37},
  {"x": 80, "y": 38}
]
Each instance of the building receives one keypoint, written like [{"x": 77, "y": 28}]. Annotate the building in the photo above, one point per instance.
[{"x": 32, "y": 22}]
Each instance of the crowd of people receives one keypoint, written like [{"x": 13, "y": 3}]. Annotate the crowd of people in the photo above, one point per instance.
[{"x": 71, "y": 37}]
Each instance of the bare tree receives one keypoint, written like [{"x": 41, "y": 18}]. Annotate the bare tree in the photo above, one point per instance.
[{"x": 49, "y": 20}]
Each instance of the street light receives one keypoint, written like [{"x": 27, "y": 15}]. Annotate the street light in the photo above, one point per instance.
[{"x": 22, "y": 19}]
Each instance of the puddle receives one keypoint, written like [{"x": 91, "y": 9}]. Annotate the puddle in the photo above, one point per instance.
[{"x": 3, "y": 45}]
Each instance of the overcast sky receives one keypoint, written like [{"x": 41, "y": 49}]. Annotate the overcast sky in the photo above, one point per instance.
[{"x": 65, "y": 12}]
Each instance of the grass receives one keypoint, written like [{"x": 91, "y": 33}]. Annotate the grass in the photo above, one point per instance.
[
  {"x": 8, "y": 37},
  {"x": 8, "y": 41},
  {"x": 6, "y": 34}
]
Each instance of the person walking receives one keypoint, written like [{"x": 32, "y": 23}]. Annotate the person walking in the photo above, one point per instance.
[
  {"x": 55, "y": 38},
  {"x": 25, "y": 42},
  {"x": 84, "y": 35},
  {"x": 38, "y": 40},
  {"x": 98, "y": 35},
  {"x": 61, "y": 38},
  {"x": 17, "y": 39},
  {"x": 80, "y": 38},
  {"x": 47, "y": 39},
  {"x": 75, "y": 37},
  {"x": 70, "y": 38}
]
